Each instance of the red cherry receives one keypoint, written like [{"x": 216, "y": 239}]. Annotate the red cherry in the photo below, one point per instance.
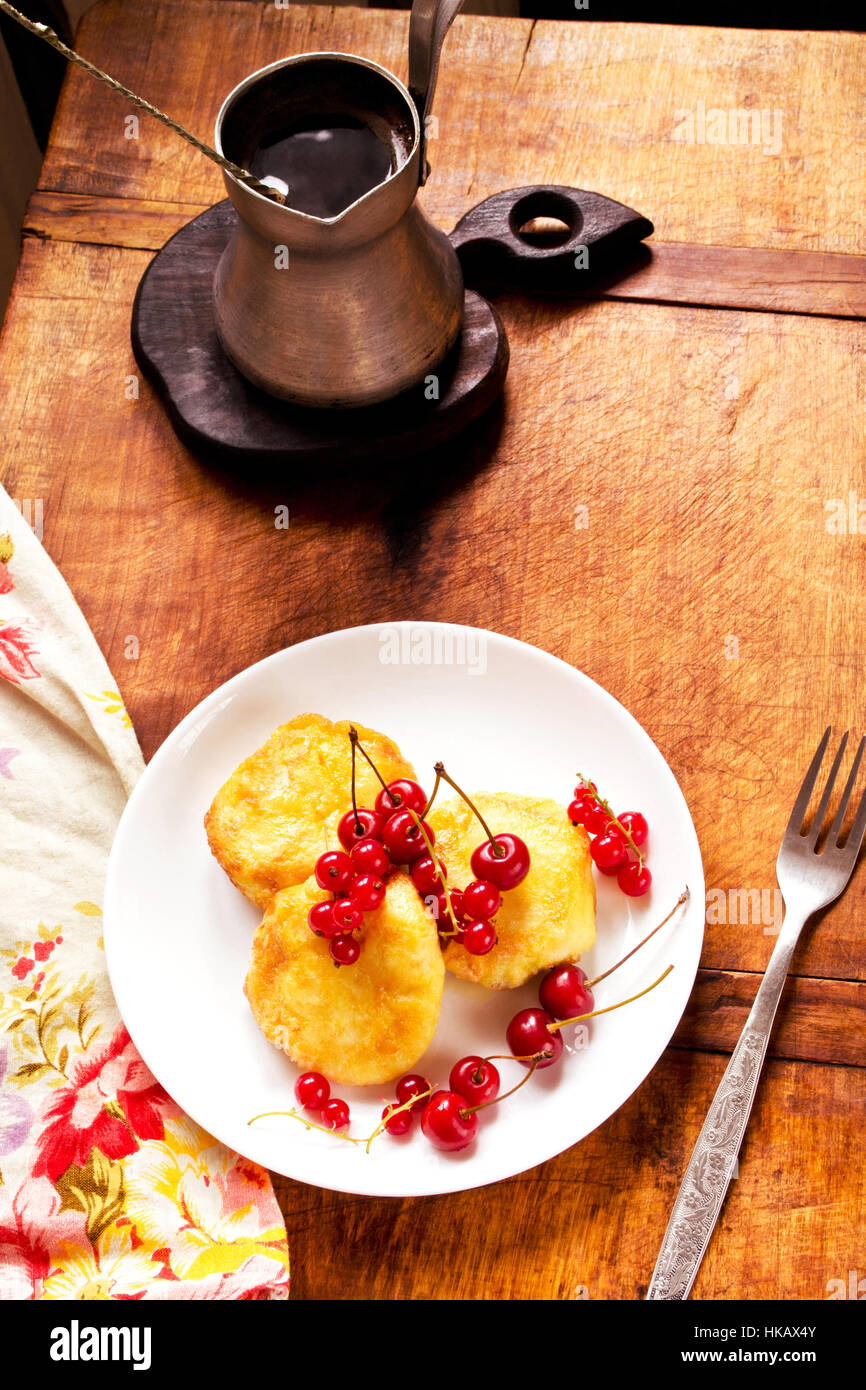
[
  {"x": 527, "y": 1034},
  {"x": 400, "y": 1123},
  {"x": 368, "y": 892},
  {"x": 347, "y": 915},
  {"x": 348, "y": 832},
  {"x": 370, "y": 857},
  {"x": 609, "y": 852},
  {"x": 507, "y": 869},
  {"x": 402, "y": 792},
  {"x": 335, "y": 1114},
  {"x": 321, "y": 919},
  {"x": 481, "y": 899},
  {"x": 411, "y": 1086},
  {"x": 312, "y": 1090},
  {"x": 403, "y": 839},
  {"x": 478, "y": 938},
  {"x": 425, "y": 874},
  {"x": 634, "y": 879},
  {"x": 636, "y": 825},
  {"x": 563, "y": 992},
  {"x": 476, "y": 1079},
  {"x": 345, "y": 950},
  {"x": 447, "y": 1123},
  {"x": 334, "y": 871}
]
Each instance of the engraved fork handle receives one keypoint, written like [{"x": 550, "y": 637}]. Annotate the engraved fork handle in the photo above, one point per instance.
[{"x": 711, "y": 1165}]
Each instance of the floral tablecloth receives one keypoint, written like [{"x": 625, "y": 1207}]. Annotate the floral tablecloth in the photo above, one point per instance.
[{"x": 107, "y": 1190}]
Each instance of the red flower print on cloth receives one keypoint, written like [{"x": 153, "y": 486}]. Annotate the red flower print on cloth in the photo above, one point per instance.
[
  {"x": 16, "y": 649},
  {"x": 6, "y": 585},
  {"x": 35, "y": 1235},
  {"x": 79, "y": 1118}
]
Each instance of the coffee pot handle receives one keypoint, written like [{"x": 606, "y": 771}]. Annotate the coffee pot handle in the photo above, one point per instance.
[{"x": 429, "y": 23}]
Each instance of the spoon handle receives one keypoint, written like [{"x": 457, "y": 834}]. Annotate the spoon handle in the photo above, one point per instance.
[
  {"x": 428, "y": 25},
  {"x": 42, "y": 31}
]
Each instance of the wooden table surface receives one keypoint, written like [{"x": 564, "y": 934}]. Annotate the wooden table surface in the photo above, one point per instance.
[{"x": 707, "y": 412}]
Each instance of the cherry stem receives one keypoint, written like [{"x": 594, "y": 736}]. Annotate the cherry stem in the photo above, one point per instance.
[
  {"x": 434, "y": 791},
  {"x": 439, "y": 769},
  {"x": 615, "y": 819},
  {"x": 353, "y": 739},
  {"x": 439, "y": 872},
  {"x": 308, "y": 1124},
  {"x": 535, "y": 1059},
  {"x": 564, "y": 1022},
  {"x": 679, "y": 902},
  {"x": 353, "y": 735}
]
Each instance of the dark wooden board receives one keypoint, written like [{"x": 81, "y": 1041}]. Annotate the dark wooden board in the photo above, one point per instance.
[{"x": 218, "y": 413}]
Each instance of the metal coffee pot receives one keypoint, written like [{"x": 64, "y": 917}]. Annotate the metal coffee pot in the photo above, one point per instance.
[{"x": 348, "y": 307}]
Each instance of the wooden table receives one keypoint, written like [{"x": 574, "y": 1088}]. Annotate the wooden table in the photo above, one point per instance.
[{"x": 706, "y": 412}]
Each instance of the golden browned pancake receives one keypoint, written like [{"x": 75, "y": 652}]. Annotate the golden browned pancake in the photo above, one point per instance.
[
  {"x": 550, "y": 916},
  {"x": 280, "y": 809},
  {"x": 361, "y": 1024}
]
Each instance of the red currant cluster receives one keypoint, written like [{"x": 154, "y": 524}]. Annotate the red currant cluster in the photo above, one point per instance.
[
  {"x": 374, "y": 843},
  {"x": 617, "y": 841}
]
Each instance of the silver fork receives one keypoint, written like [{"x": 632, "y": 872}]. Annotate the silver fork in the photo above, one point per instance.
[{"x": 809, "y": 881}]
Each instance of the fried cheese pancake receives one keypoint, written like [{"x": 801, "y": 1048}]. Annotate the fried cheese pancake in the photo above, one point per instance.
[
  {"x": 361, "y": 1024},
  {"x": 280, "y": 809},
  {"x": 549, "y": 917}
]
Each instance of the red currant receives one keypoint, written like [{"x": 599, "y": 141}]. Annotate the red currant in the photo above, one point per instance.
[
  {"x": 476, "y": 1079},
  {"x": 403, "y": 793},
  {"x": 368, "y": 892},
  {"x": 478, "y": 938},
  {"x": 312, "y": 1090},
  {"x": 348, "y": 831},
  {"x": 636, "y": 825},
  {"x": 345, "y": 950},
  {"x": 370, "y": 857},
  {"x": 400, "y": 1123},
  {"x": 595, "y": 818},
  {"x": 411, "y": 1086},
  {"x": 321, "y": 919},
  {"x": 609, "y": 852},
  {"x": 528, "y": 1035},
  {"x": 634, "y": 879},
  {"x": 563, "y": 992},
  {"x": 335, "y": 1114},
  {"x": 426, "y": 874},
  {"x": 334, "y": 871},
  {"x": 580, "y": 808},
  {"x": 585, "y": 788},
  {"x": 481, "y": 900},
  {"x": 447, "y": 1123},
  {"x": 504, "y": 861},
  {"x": 347, "y": 915},
  {"x": 403, "y": 839}
]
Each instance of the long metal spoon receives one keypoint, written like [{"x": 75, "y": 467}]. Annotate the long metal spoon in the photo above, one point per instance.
[{"x": 42, "y": 31}]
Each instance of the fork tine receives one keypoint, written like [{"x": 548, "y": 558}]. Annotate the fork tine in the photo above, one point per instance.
[
  {"x": 835, "y": 828},
  {"x": 818, "y": 819},
  {"x": 801, "y": 805},
  {"x": 855, "y": 839}
]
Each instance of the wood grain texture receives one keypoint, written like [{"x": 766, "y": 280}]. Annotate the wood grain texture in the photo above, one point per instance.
[
  {"x": 588, "y": 1224},
  {"x": 593, "y": 105},
  {"x": 731, "y": 277},
  {"x": 654, "y": 497}
]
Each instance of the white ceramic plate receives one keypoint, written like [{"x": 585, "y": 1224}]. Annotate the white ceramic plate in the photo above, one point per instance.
[{"x": 503, "y": 716}]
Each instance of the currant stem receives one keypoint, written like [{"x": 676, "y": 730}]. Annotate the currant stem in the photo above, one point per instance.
[
  {"x": 536, "y": 1058},
  {"x": 406, "y": 1105},
  {"x": 413, "y": 814},
  {"x": 439, "y": 769},
  {"x": 353, "y": 739},
  {"x": 308, "y": 1124},
  {"x": 679, "y": 902},
  {"x": 564, "y": 1022}
]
